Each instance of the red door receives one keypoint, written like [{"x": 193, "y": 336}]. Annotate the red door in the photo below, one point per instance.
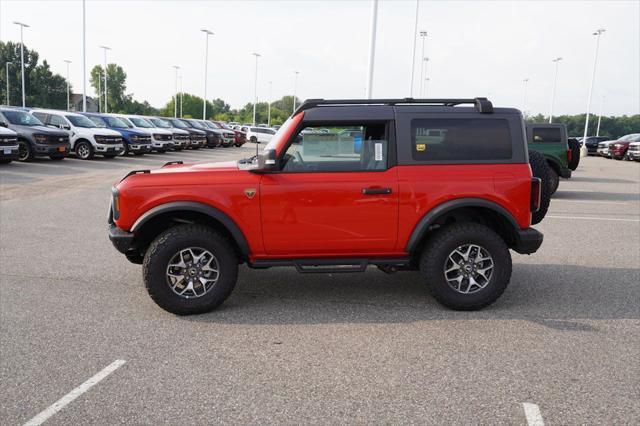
[{"x": 329, "y": 213}]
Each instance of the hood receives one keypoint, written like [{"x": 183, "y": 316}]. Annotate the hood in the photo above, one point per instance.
[
  {"x": 195, "y": 131},
  {"x": 7, "y": 132},
  {"x": 198, "y": 167},
  {"x": 39, "y": 129},
  {"x": 131, "y": 132},
  {"x": 160, "y": 131},
  {"x": 96, "y": 131}
]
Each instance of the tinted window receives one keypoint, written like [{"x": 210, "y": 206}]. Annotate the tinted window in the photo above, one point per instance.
[
  {"x": 460, "y": 139},
  {"x": 80, "y": 121},
  {"x": 548, "y": 134},
  {"x": 116, "y": 122},
  {"x": 56, "y": 120},
  {"x": 342, "y": 149},
  {"x": 40, "y": 116},
  {"x": 21, "y": 118},
  {"x": 99, "y": 122}
]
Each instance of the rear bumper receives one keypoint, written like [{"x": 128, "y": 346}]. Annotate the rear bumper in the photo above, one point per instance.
[{"x": 528, "y": 241}]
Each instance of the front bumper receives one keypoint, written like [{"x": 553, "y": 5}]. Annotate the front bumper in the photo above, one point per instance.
[
  {"x": 140, "y": 148},
  {"x": 592, "y": 149},
  {"x": 9, "y": 152},
  {"x": 44, "y": 149},
  {"x": 528, "y": 241},
  {"x": 162, "y": 145},
  {"x": 120, "y": 239},
  {"x": 633, "y": 154},
  {"x": 109, "y": 149}
]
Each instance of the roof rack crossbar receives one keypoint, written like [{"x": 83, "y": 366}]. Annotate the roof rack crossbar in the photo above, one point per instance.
[{"x": 482, "y": 105}]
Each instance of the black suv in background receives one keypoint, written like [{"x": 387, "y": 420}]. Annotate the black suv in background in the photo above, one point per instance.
[
  {"x": 34, "y": 138},
  {"x": 592, "y": 143},
  {"x": 198, "y": 137},
  {"x": 214, "y": 139}
]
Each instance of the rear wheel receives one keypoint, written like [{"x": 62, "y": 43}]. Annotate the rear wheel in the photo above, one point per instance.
[
  {"x": 25, "y": 152},
  {"x": 574, "y": 146},
  {"x": 540, "y": 169},
  {"x": 466, "y": 266},
  {"x": 190, "y": 269},
  {"x": 554, "y": 179},
  {"x": 84, "y": 150}
]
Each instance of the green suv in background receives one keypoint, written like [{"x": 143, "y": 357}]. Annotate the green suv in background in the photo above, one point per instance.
[{"x": 550, "y": 140}]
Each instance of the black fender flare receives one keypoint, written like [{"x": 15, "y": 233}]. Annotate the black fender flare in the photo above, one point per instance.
[
  {"x": 194, "y": 206},
  {"x": 555, "y": 164},
  {"x": 428, "y": 219}
]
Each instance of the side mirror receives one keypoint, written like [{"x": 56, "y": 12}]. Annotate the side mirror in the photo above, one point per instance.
[
  {"x": 267, "y": 161},
  {"x": 3, "y": 124},
  {"x": 65, "y": 127}
]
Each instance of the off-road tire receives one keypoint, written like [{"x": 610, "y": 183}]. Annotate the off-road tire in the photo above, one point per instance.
[
  {"x": 574, "y": 146},
  {"x": 84, "y": 144},
  {"x": 554, "y": 179},
  {"x": 447, "y": 239},
  {"x": 177, "y": 238},
  {"x": 540, "y": 169},
  {"x": 25, "y": 152}
]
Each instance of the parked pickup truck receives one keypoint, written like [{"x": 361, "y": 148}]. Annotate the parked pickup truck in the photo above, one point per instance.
[
  {"x": 551, "y": 141},
  {"x": 8, "y": 145},
  {"x": 435, "y": 187}
]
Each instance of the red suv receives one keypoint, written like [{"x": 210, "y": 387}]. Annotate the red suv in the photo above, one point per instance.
[{"x": 402, "y": 184}]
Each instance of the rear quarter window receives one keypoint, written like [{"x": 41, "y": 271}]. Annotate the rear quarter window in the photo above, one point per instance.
[
  {"x": 460, "y": 139},
  {"x": 548, "y": 135}
]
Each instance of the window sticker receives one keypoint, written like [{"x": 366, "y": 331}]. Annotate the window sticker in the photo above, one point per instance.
[
  {"x": 378, "y": 151},
  {"x": 421, "y": 147}
]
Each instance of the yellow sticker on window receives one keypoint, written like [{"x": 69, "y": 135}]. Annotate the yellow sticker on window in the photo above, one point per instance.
[{"x": 421, "y": 147}]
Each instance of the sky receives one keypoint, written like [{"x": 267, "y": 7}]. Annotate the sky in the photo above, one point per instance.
[{"x": 475, "y": 48}]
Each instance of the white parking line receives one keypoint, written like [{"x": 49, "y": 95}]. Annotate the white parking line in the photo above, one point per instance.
[
  {"x": 555, "y": 200},
  {"x": 614, "y": 219},
  {"x": 68, "y": 398},
  {"x": 532, "y": 413}
]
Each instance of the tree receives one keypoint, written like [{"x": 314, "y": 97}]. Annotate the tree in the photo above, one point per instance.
[
  {"x": 43, "y": 88},
  {"x": 116, "y": 86}
]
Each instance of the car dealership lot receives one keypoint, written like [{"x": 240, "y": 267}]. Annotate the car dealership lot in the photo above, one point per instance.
[{"x": 288, "y": 348}]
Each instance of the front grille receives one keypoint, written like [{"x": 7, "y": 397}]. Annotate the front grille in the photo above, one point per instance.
[
  {"x": 634, "y": 148},
  {"x": 160, "y": 137},
  {"x": 181, "y": 137},
  {"x": 8, "y": 141},
  {"x": 142, "y": 140},
  {"x": 57, "y": 139},
  {"x": 109, "y": 140}
]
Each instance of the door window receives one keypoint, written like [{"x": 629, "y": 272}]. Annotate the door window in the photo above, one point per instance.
[
  {"x": 56, "y": 120},
  {"x": 340, "y": 149}
]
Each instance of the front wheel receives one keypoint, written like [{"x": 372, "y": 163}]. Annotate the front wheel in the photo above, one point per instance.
[
  {"x": 466, "y": 266},
  {"x": 84, "y": 150},
  {"x": 190, "y": 269},
  {"x": 25, "y": 152}
]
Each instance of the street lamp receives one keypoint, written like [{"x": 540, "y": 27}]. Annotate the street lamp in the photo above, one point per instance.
[
  {"x": 255, "y": 88},
  {"x": 524, "y": 95},
  {"x": 22, "y": 26},
  {"x": 295, "y": 89},
  {"x": 600, "y": 116},
  {"x": 84, "y": 58},
  {"x": 413, "y": 56},
  {"x": 68, "y": 62},
  {"x": 206, "y": 60},
  {"x": 181, "y": 93},
  {"x": 423, "y": 35},
  {"x": 175, "y": 98},
  {"x": 372, "y": 47},
  {"x": 105, "y": 48},
  {"x": 269, "y": 105},
  {"x": 553, "y": 91},
  {"x": 7, "y": 68},
  {"x": 583, "y": 149}
]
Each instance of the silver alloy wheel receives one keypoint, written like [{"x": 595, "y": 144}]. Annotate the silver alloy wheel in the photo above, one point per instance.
[
  {"x": 192, "y": 272},
  {"x": 83, "y": 151},
  {"x": 468, "y": 268},
  {"x": 23, "y": 150}
]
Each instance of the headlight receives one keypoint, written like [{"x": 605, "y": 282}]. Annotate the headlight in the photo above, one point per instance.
[
  {"x": 99, "y": 139},
  {"x": 134, "y": 138},
  {"x": 40, "y": 138},
  {"x": 618, "y": 145}
]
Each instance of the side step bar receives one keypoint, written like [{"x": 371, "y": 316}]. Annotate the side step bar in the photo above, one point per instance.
[{"x": 335, "y": 265}]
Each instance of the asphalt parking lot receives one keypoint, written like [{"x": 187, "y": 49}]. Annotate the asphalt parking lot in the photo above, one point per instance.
[{"x": 286, "y": 348}]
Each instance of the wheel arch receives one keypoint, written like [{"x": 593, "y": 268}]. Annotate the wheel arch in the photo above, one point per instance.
[
  {"x": 159, "y": 218},
  {"x": 554, "y": 164},
  {"x": 476, "y": 210}
]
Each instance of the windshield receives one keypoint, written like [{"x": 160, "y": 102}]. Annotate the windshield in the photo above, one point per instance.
[
  {"x": 81, "y": 121},
  {"x": 116, "y": 122},
  {"x": 209, "y": 124},
  {"x": 196, "y": 125},
  {"x": 99, "y": 122},
  {"x": 631, "y": 137},
  {"x": 160, "y": 123},
  {"x": 140, "y": 122},
  {"x": 22, "y": 118},
  {"x": 178, "y": 123},
  {"x": 217, "y": 125}
]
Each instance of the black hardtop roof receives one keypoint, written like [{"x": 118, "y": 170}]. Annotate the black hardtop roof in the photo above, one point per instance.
[{"x": 482, "y": 105}]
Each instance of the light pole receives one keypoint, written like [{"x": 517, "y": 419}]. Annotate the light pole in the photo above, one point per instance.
[
  {"x": 206, "y": 60},
  {"x": 599, "y": 116},
  {"x": 425, "y": 62},
  {"x": 372, "y": 47},
  {"x": 269, "y": 105},
  {"x": 22, "y": 26},
  {"x": 255, "y": 89},
  {"x": 67, "y": 62},
  {"x": 175, "y": 98},
  {"x": 413, "y": 56},
  {"x": 553, "y": 91},
  {"x": 84, "y": 59},
  {"x": 583, "y": 149},
  {"x": 181, "y": 93},
  {"x": 7, "y": 71},
  {"x": 423, "y": 36},
  {"x": 99, "y": 94},
  {"x": 524, "y": 96},
  {"x": 426, "y": 87},
  {"x": 105, "y": 48},
  {"x": 295, "y": 89}
]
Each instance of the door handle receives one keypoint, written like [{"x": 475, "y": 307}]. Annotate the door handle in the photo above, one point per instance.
[{"x": 376, "y": 191}]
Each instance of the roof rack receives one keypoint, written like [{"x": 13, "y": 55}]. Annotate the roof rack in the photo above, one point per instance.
[{"x": 482, "y": 105}]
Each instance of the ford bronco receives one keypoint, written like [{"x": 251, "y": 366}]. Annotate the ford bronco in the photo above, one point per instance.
[
  {"x": 401, "y": 184},
  {"x": 551, "y": 141}
]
